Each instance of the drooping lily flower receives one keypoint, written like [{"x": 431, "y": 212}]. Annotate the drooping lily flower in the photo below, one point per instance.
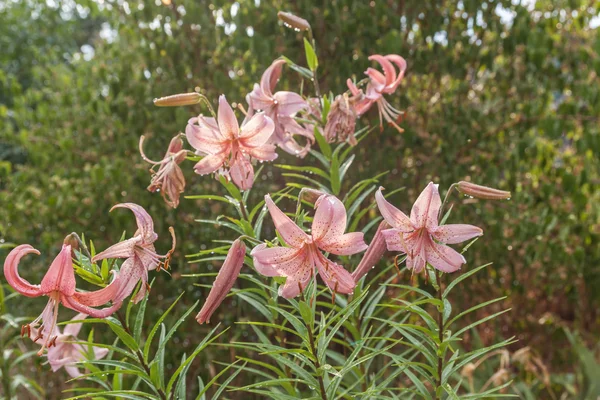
[
  {"x": 281, "y": 107},
  {"x": 420, "y": 236},
  {"x": 169, "y": 179},
  {"x": 341, "y": 120},
  {"x": 224, "y": 282},
  {"x": 225, "y": 146},
  {"x": 139, "y": 253},
  {"x": 298, "y": 261},
  {"x": 66, "y": 354},
  {"x": 380, "y": 84},
  {"x": 59, "y": 285}
]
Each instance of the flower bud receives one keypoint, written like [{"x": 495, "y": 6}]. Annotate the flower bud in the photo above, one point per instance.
[
  {"x": 373, "y": 254},
  {"x": 310, "y": 195},
  {"x": 293, "y": 21},
  {"x": 183, "y": 99},
  {"x": 224, "y": 282},
  {"x": 482, "y": 192}
]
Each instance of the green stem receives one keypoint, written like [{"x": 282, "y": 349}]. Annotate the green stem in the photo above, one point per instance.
[
  {"x": 440, "y": 364},
  {"x": 244, "y": 211},
  {"x": 313, "y": 350},
  {"x": 140, "y": 356}
]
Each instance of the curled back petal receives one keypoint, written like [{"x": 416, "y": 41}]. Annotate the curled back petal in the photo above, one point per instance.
[
  {"x": 60, "y": 276},
  {"x": 401, "y": 64},
  {"x": 291, "y": 233},
  {"x": 143, "y": 219},
  {"x": 100, "y": 296},
  {"x": 424, "y": 213},
  {"x": 11, "y": 271},
  {"x": 456, "y": 233},
  {"x": 70, "y": 302},
  {"x": 391, "y": 214},
  {"x": 388, "y": 69},
  {"x": 271, "y": 76}
]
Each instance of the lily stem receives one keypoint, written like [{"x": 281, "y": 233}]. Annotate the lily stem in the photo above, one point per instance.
[
  {"x": 313, "y": 350},
  {"x": 440, "y": 364},
  {"x": 243, "y": 210},
  {"x": 140, "y": 356}
]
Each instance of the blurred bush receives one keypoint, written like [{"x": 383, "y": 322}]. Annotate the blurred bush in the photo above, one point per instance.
[{"x": 502, "y": 94}]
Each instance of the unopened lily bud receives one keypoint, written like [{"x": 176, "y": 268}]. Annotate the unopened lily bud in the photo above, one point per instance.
[
  {"x": 183, "y": 99},
  {"x": 224, "y": 282},
  {"x": 75, "y": 242},
  {"x": 310, "y": 195},
  {"x": 482, "y": 192},
  {"x": 293, "y": 21},
  {"x": 373, "y": 254}
]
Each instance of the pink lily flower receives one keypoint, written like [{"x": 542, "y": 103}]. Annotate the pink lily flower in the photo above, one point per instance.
[
  {"x": 59, "y": 285},
  {"x": 139, "y": 253},
  {"x": 226, "y": 146},
  {"x": 66, "y": 354},
  {"x": 169, "y": 179},
  {"x": 380, "y": 84},
  {"x": 224, "y": 282},
  {"x": 420, "y": 236},
  {"x": 281, "y": 108},
  {"x": 298, "y": 261}
]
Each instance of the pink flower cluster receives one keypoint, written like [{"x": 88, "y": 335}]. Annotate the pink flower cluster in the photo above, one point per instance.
[
  {"x": 59, "y": 283},
  {"x": 273, "y": 119}
]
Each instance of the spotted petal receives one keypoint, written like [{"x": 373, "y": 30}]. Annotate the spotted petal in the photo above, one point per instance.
[
  {"x": 424, "y": 213},
  {"x": 291, "y": 233}
]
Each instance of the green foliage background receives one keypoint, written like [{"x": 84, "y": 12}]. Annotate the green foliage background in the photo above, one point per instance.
[{"x": 502, "y": 94}]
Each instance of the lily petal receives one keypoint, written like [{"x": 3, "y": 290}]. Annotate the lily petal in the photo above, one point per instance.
[
  {"x": 143, "y": 219},
  {"x": 203, "y": 137},
  {"x": 416, "y": 263},
  {"x": 257, "y": 131},
  {"x": 228, "y": 124},
  {"x": 345, "y": 245},
  {"x": 289, "y": 103},
  {"x": 73, "y": 329},
  {"x": 124, "y": 249},
  {"x": 242, "y": 172},
  {"x": 394, "y": 240},
  {"x": 210, "y": 163},
  {"x": 60, "y": 276},
  {"x": 271, "y": 76},
  {"x": 391, "y": 214},
  {"x": 70, "y": 302},
  {"x": 329, "y": 222},
  {"x": 456, "y": 233},
  {"x": 291, "y": 233},
  {"x": 443, "y": 257},
  {"x": 11, "y": 271},
  {"x": 335, "y": 276},
  {"x": 266, "y": 152},
  {"x": 424, "y": 213},
  {"x": 98, "y": 297},
  {"x": 261, "y": 267}
]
